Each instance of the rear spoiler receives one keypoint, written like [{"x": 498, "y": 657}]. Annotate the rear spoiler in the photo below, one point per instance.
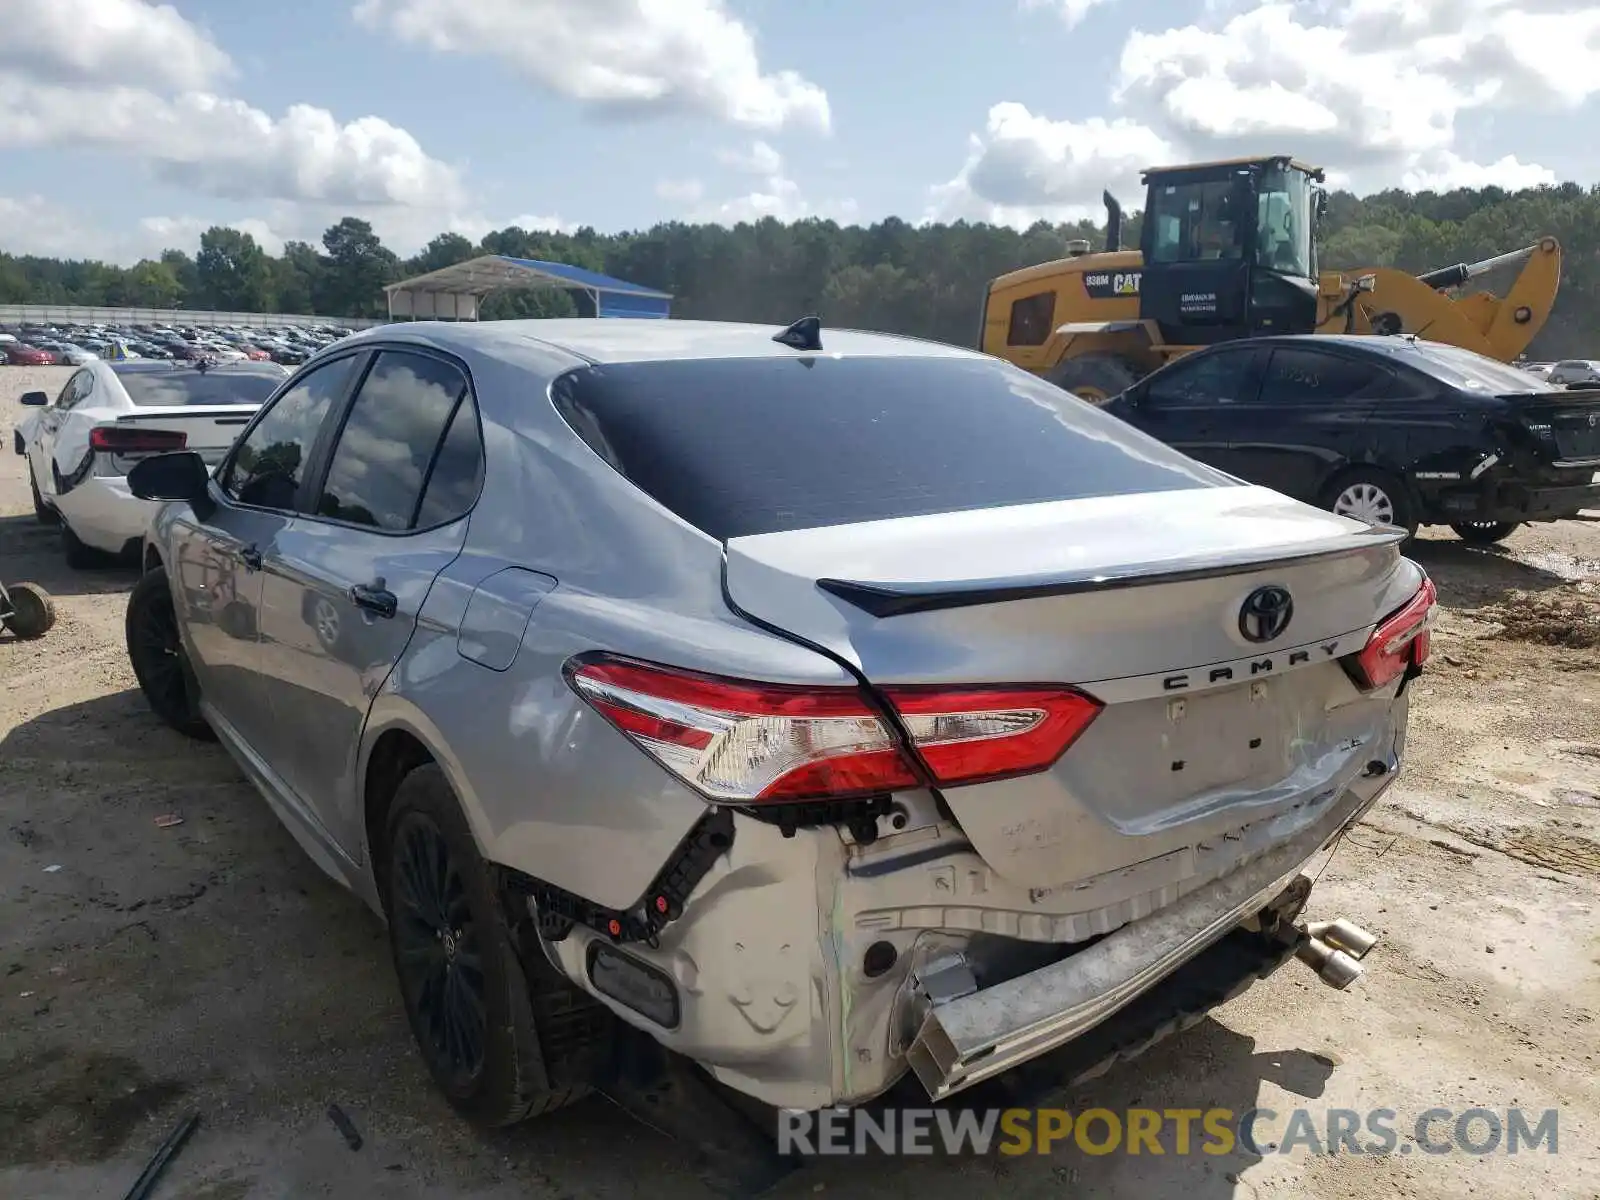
[
  {"x": 900, "y": 599},
  {"x": 221, "y": 414}
]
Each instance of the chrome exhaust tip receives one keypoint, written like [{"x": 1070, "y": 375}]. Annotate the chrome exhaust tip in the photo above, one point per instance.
[
  {"x": 1334, "y": 967},
  {"x": 1344, "y": 935}
]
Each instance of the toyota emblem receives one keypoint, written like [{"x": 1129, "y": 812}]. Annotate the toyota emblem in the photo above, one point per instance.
[{"x": 1265, "y": 613}]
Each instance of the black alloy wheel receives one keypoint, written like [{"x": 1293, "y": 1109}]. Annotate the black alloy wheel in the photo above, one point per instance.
[
  {"x": 160, "y": 663},
  {"x": 438, "y": 952}
]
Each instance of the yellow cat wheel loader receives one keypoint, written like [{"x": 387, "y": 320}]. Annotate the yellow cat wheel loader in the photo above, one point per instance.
[{"x": 1229, "y": 250}]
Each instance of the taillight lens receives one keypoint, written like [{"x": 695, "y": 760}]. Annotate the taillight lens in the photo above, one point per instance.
[
  {"x": 751, "y": 743},
  {"x": 130, "y": 439},
  {"x": 1402, "y": 640}
]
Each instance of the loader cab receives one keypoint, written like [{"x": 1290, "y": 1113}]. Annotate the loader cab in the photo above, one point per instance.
[{"x": 1229, "y": 250}]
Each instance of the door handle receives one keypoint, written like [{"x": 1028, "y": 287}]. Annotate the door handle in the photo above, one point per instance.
[
  {"x": 250, "y": 556},
  {"x": 375, "y": 598}
]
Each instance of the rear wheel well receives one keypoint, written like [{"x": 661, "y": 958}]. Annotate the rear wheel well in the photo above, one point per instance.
[
  {"x": 396, "y": 754},
  {"x": 152, "y": 558}
]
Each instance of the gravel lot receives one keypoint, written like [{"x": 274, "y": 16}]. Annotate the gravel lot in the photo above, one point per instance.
[{"x": 209, "y": 966}]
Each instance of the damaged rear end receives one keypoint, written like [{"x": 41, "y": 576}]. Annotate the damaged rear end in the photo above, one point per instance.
[{"x": 1106, "y": 706}]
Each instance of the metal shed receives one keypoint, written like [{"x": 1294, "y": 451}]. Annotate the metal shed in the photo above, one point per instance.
[{"x": 454, "y": 293}]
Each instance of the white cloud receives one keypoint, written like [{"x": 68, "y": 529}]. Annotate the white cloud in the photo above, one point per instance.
[
  {"x": 37, "y": 225},
  {"x": 1024, "y": 168},
  {"x": 109, "y": 41},
  {"x": 226, "y": 148},
  {"x": 775, "y": 194},
  {"x": 183, "y": 233},
  {"x": 629, "y": 55},
  {"x": 1072, "y": 11},
  {"x": 759, "y": 159},
  {"x": 1374, "y": 89},
  {"x": 136, "y": 79},
  {"x": 680, "y": 191}
]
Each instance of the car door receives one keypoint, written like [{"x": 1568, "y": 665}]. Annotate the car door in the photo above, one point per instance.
[
  {"x": 47, "y": 429},
  {"x": 1185, "y": 404},
  {"x": 345, "y": 579},
  {"x": 218, "y": 561},
  {"x": 1307, "y": 420}
]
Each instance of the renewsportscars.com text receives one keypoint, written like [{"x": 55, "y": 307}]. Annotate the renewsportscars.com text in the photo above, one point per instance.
[{"x": 1167, "y": 1131}]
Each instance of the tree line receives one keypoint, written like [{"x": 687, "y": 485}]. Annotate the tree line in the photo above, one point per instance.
[{"x": 924, "y": 280}]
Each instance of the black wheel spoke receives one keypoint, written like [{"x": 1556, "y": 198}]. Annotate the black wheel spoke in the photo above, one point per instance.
[{"x": 438, "y": 951}]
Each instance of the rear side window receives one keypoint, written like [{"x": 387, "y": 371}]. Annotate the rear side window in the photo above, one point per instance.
[
  {"x": 1296, "y": 376},
  {"x": 155, "y": 389},
  {"x": 1031, "y": 320},
  {"x": 737, "y": 447},
  {"x": 391, "y": 436}
]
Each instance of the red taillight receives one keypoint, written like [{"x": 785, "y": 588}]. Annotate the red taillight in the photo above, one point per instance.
[
  {"x": 969, "y": 734},
  {"x": 751, "y": 743},
  {"x": 130, "y": 439},
  {"x": 1400, "y": 642}
]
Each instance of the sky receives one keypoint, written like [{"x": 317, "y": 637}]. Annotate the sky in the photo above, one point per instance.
[{"x": 128, "y": 126}]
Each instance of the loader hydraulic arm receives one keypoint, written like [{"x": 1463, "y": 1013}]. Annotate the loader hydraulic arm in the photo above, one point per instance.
[{"x": 1500, "y": 326}]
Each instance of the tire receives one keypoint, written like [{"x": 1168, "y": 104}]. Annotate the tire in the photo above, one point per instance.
[
  {"x": 33, "y": 612},
  {"x": 1376, "y": 497},
  {"x": 42, "y": 512},
  {"x": 496, "y": 1075},
  {"x": 160, "y": 663},
  {"x": 1094, "y": 377},
  {"x": 79, "y": 554},
  {"x": 1485, "y": 533}
]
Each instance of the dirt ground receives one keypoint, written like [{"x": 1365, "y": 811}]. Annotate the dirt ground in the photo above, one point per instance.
[{"x": 150, "y": 970}]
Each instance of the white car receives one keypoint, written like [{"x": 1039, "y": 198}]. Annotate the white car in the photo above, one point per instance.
[{"x": 81, "y": 446}]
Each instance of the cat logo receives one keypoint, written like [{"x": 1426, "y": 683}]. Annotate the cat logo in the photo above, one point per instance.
[{"x": 1103, "y": 285}]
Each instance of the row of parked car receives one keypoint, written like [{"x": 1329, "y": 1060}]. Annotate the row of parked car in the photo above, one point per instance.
[{"x": 35, "y": 345}]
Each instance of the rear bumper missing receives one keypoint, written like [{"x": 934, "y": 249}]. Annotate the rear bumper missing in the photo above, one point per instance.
[{"x": 965, "y": 1041}]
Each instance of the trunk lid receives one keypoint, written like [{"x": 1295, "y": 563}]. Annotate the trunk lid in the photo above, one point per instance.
[
  {"x": 209, "y": 430},
  {"x": 1136, "y": 600},
  {"x": 1569, "y": 419}
]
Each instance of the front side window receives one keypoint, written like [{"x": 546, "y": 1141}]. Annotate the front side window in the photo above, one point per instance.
[
  {"x": 1225, "y": 377},
  {"x": 1283, "y": 223},
  {"x": 394, "y": 431},
  {"x": 267, "y": 469},
  {"x": 78, "y": 387}
]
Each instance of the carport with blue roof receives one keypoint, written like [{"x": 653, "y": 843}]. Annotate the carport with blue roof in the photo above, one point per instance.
[{"x": 456, "y": 293}]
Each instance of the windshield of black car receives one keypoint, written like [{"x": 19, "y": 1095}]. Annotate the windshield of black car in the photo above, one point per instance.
[
  {"x": 737, "y": 447},
  {"x": 156, "y": 389},
  {"x": 1473, "y": 372}
]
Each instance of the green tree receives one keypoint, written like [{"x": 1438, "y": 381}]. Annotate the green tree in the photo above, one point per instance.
[
  {"x": 233, "y": 272},
  {"x": 359, "y": 265}
]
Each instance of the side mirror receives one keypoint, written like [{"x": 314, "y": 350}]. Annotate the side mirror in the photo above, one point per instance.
[
  {"x": 1322, "y": 203},
  {"x": 35, "y": 399},
  {"x": 178, "y": 476}
]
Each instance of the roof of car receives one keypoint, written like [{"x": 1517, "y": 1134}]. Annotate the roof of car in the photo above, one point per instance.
[{"x": 620, "y": 339}]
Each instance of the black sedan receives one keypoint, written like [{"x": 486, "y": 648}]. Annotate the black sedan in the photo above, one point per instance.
[{"x": 1389, "y": 430}]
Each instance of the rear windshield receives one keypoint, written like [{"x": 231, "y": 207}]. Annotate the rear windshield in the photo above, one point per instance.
[
  {"x": 749, "y": 446},
  {"x": 158, "y": 388},
  {"x": 1464, "y": 369}
]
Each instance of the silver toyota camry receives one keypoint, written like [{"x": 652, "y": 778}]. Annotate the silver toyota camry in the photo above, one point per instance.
[{"x": 827, "y": 708}]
